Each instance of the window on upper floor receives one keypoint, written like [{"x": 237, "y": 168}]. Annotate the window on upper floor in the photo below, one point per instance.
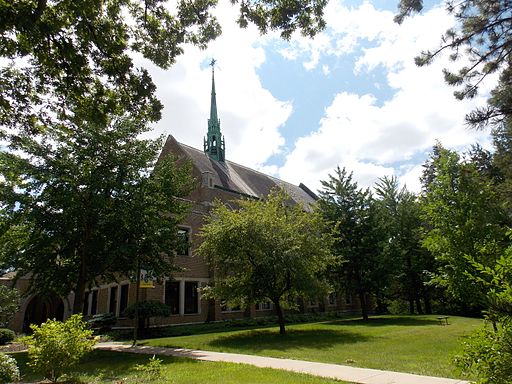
[{"x": 183, "y": 242}]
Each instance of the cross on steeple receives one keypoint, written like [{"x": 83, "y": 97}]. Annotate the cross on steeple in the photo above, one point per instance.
[{"x": 213, "y": 142}]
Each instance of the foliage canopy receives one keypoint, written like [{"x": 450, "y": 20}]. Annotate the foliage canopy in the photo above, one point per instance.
[
  {"x": 266, "y": 250},
  {"x": 88, "y": 206},
  {"x": 68, "y": 57},
  {"x": 482, "y": 39}
]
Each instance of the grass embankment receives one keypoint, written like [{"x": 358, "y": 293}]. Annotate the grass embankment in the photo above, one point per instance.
[
  {"x": 119, "y": 368},
  {"x": 414, "y": 344}
]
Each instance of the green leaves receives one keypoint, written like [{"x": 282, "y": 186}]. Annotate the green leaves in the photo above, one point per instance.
[
  {"x": 9, "y": 304},
  {"x": 265, "y": 250},
  {"x": 465, "y": 222},
  {"x": 78, "y": 54},
  {"x": 55, "y": 347},
  {"x": 482, "y": 38}
]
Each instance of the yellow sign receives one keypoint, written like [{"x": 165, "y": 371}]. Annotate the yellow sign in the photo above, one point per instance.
[{"x": 145, "y": 280}]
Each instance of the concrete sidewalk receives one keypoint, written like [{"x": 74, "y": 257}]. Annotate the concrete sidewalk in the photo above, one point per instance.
[{"x": 340, "y": 372}]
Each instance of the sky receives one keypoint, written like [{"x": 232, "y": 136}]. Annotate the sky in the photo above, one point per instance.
[{"x": 351, "y": 97}]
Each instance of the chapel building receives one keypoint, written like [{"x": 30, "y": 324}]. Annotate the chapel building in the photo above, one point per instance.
[{"x": 217, "y": 179}]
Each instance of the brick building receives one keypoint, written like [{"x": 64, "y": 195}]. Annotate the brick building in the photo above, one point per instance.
[{"x": 219, "y": 179}]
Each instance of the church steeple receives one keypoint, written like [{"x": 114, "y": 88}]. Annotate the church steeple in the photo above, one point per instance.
[{"x": 213, "y": 142}]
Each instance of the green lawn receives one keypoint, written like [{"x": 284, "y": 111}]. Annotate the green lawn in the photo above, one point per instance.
[
  {"x": 415, "y": 344},
  {"x": 119, "y": 368}
]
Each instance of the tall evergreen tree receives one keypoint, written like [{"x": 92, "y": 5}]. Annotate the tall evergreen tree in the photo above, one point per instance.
[
  {"x": 352, "y": 214},
  {"x": 400, "y": 220}
]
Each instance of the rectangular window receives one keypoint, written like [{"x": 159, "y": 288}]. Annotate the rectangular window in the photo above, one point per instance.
[
  {"x": 172, "y": 296},
  {"x": 191, "y": 297},
  {"x": 265, "y": 306},
  {"x": 112, "y": 305},
  {"x": 94, "y": 302},
  {"x": 348, "y": 298},
  {"x": 123, "y": 303},
  {"x": 332, "y": 298},
  {"x": 183, "y": 242},
  {"x": 85, "y": 308}
]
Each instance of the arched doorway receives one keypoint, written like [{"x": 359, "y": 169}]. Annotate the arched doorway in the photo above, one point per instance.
[{"x": 39, "y": 309}]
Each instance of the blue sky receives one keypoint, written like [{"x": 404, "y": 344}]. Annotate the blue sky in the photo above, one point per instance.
[{"x": 350, "y": 97}]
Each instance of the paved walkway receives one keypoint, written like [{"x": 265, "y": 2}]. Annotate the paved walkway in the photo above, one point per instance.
[{"x": 340, "y": 372}]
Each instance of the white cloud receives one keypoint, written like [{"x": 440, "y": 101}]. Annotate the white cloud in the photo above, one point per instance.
[
  {"x": 250, "y": 115},
  {"x": 369, "y": 138}
]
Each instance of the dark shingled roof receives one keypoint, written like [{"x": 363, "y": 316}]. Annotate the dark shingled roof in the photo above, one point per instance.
[{"x": 237, "y": 178}]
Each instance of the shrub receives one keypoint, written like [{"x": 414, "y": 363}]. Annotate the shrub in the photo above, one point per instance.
[
  {"x": 152, "y": 370},
  {"x": 147, "y": 309},
  {"x": 487, "y": 354},
  {"x": 9, "y": 371},
  {"x": 398, "y": 307},
  {"x": 102, "y": 322},
  {"x": 55, "y": 347},
  {"x": 6, "y": 336}
]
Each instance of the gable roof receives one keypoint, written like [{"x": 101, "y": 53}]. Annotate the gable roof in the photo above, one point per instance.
[{"x": 237, "y": 178}]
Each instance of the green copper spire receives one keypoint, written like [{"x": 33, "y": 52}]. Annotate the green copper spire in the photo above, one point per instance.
[{"x": 213, "y": 142}]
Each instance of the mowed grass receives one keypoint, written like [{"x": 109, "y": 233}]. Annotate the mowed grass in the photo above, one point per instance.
[
  {"x": 414, "y": 344},
  {"x": 119, "y": 368}
]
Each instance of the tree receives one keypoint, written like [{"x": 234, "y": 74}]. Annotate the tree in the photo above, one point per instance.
[
  {"x": 400, "y": 219},
  {"x": 464, "y": 224},
  {"x": 78, "y": 55},
  {"x": 9, "y": 304},
  {"x": 266, "y": 250},
  {"x": 482, "y": 38},
  {"x": 352, "y": 215},
  {"x": 94, "y": 204}
]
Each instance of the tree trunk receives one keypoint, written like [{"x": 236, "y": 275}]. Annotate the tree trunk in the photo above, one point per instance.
[
  {"x": 280, "y": 317},
  {"x": 418, "y": 306},
  {"x": 428, "y": 306},
  {"x": 411, "y": 306},
  {"x": 364, "y": 305},
  {"x": 78, "y": 301}
]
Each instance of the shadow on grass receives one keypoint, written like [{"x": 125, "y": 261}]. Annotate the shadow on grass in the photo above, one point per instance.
[
  {"x": 104, "y": 365},
  {"x": 256, "y": 341},
  {"x": 386, "y": 321}
]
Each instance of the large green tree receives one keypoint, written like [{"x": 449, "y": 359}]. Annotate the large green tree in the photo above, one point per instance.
[
  {"x": 482, "y": 41},
  {"x": 400, "y": 220},
  {"x": 265, "y": 250},
  {"x": 90, "y": 202},
  {"x": 352, "y": 214},
  {"x": 465, "y": 221},
  {"x": 64, "y": 56}
]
